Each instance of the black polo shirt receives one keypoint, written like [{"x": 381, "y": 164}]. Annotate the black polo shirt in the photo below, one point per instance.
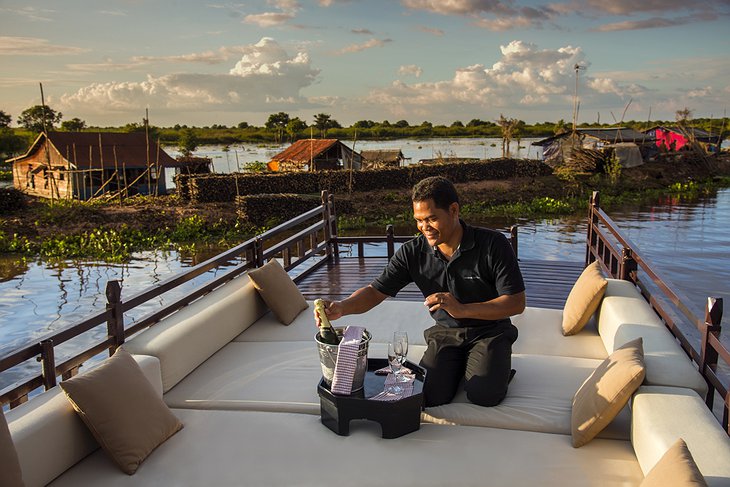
[{"x": 483, "y": 268}]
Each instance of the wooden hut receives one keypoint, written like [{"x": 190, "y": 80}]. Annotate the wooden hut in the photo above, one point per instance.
[
  {"x": 564, "y": 147},
  {"x": 671, "y": 139},
  {"x": 380, "y": 158},
  {"x": 315, "y": 155},
  {"x": 193, "y": 165},
  {"x": 82, "y": 165}
]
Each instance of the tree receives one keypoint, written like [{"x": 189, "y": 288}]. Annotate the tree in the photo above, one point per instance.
[
  {"x": 324, "y": 122},
  {"x": 295, "y": 126},
  {"x": 364, "y": 124},
  {"x": 5, "y": 119},
  {"x": 509, "y": 127},
  {"x": 457, "y": 123},
  {"x": 11, "y": 144},
  {"x": 33, "y": 118},
  {"x": 401, "y": 124},
  {"x": 242, "y": 125},
  {"x": 277, "y": 122},
  {"x": 188, "y": 142},
  {"x": 73, "y": 125}
]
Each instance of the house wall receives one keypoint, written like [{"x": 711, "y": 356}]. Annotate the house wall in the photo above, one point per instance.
[{"x": 32, "y": 176}]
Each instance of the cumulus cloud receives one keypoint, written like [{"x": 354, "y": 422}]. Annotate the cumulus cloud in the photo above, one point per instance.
[
  {"x": 265, "y": 78},
  {"x": 34, "y": 46},
  {"x": 287, "y": 11},
  {"x": 524, "y": 75},
  {"x": 363, "y": 46},
  {"x": 410, "y": 70}
]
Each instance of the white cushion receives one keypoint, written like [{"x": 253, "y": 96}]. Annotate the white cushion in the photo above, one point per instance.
[
  {"x": 624, "y": 315},
  {"x": 540, "y": 333},
  {"x": 259, "y": 448},
  {"x": 185, "y": 339},
  {"x": 539, "y": 398},
  {"x": 381, "y": 322},
  {"x": 50, "y": 437},
  {"x": 661, "y": 415},
  {"x": 265, "y": 376}
]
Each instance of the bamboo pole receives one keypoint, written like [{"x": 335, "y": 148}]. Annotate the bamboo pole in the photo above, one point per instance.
[
  {"x": 76, "y": 174},
  {"x": 157, "y": 169},
  {"x": 116, "y": 171},
  {"x": 49, "y": 174},
  {"x": 91, "y": 173},
  {"x": 124, "y": 176},
  {"x": 147, "y": 145}
]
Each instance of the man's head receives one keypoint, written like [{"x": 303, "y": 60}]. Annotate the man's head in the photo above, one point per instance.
[{"x": 436, "y": 209}]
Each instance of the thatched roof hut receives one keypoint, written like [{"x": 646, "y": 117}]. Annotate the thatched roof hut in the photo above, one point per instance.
[{"x": 380, "y": 158}]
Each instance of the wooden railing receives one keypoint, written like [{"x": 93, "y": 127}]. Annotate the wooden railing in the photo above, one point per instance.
[
  {"x": 622, "y": 259},
  {"x": 318, "y": 237}
]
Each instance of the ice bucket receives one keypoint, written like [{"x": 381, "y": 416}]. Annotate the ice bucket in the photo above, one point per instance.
[{"x": 328, "y": 359}]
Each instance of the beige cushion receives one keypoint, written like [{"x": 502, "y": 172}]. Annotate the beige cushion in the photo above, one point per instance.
[
  {"x": 539, "y": 398},
  {"x": 676, "y": 468},
  {"x": 122, "y": 410},
  {"x": 661, "y": 415},
  {"x": 541, "y": 334},
  {"x": 47, "y": 427},
  {"x": 606, "y": 392},
  {"x": 10, "y": 474},
  {"x": 186, "y": 338},
  {"x": 251, "y": 448},
  {"x": 278, "y": 291},
  {"x": 583, "y": 299}
]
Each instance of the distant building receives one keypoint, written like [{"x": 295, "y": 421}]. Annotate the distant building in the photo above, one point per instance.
[
  {"x": 315, "y": 155},
  {"x": 82, "y": 165},
  {"x": 376, "y": 159},
  {"x": 193, "y": 165},
  {"x": 672, "y": 139},
  {"x": 559, "y": 148}
]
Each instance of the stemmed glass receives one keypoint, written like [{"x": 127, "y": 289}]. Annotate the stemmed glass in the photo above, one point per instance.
[
  {"x": 400, "y": 347},
  {"x": 395, "y": 366}
]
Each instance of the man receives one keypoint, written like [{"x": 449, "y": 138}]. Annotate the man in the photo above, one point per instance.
[{"x": 472, "y": 284}]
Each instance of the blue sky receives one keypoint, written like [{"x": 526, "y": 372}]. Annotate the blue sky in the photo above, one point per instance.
[{"x": 201, "y": 63}]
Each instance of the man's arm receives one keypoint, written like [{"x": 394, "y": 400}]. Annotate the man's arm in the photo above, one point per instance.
[
  {"x": 362, "y": 300},
  {"x": 496, "y": 309}
]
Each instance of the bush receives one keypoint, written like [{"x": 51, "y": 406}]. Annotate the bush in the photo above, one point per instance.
[{"x": 11, "y": 200}]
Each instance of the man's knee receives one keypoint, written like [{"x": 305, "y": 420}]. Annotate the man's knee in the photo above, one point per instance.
[{"x": 482, "y": 396}]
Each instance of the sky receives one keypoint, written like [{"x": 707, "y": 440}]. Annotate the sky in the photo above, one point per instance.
[{"x": 202, "y": 63}]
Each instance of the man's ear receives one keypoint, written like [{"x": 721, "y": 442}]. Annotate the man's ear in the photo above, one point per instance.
[{"x": 454, "y": 209}]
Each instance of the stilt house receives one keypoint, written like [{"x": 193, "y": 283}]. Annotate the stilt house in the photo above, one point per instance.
[
  {"x": 671, "y": 139},
  {"x": 625, "y": 143},
  {"x": 315, "y": 155},
  {"x": 82, "y": 165}
]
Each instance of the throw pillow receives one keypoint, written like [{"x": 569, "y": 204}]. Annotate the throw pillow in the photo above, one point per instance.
[
  {"x": 606, "y": 391},
  {"x": 584, "y": 298},
  {"x": 278, "y": 291},
  {"x": 122, "y": 410},
  {"x": 676, "y": 468},
  {"x": 10, "y": 473}
]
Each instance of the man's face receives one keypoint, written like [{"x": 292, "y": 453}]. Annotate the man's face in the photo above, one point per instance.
[{"x": 436, "y": 224}]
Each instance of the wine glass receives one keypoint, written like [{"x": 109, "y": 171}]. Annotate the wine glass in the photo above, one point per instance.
[
  {"x": 400, "y": 347},
  {"x": 395, "y": 366}
]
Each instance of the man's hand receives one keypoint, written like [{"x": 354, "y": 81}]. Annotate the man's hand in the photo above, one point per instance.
[
  {"x": 333, "y": 310},
  {"x": 444, "y": 301}
]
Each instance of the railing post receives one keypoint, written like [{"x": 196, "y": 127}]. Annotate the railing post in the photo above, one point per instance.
[
  {"x": 258, "y": 252},
  {"x": 333, "y": 228},
  {"x": 708, "y": 354},
  {"x": 593, "y": 205},
  {"x": 48, "y": 364},
  {"x": 115, "y": 324},
  {"x": 628, "y": 264},
  {"x": 513, "y": 240},
  {"x": 327, "y": 224},
  {"x": 390, "y": 240}
]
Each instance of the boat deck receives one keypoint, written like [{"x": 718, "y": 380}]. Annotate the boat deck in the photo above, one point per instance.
[{"x": 547, "y": 283}]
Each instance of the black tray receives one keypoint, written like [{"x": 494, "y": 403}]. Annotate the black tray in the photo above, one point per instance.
[{"x": 396, "y": 418}]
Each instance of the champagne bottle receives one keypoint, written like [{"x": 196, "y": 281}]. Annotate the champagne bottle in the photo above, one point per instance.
[{"x": 327, "y": 333}]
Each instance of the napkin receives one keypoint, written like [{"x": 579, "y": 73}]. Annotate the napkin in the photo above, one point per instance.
[
  {"x": 388, "y": 395},
  {"x": 346, "y": 360}
]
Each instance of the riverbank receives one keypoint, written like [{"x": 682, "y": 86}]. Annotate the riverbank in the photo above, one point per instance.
[{"x": 113, "y": 232}]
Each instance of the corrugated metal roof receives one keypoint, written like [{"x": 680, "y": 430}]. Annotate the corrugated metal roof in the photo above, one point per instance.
[
  {"x": 305, "y": 149},
  {"x": 131, "y": 149},
  {"x": 611, "y": 135}
]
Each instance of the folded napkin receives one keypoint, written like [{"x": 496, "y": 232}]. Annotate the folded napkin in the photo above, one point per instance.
[
  {"x": 346, "y": 360},
  {"x": 388, "y": 395}
]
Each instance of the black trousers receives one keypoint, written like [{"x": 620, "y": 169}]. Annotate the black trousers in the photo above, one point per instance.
[{"x": 482, "y": 357}]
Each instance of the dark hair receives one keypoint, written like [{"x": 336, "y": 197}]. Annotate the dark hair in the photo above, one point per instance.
[{"x": 437, "y": 188}]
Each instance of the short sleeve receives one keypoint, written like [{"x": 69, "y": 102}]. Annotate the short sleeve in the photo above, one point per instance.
[
  {"x": 396, "y": 274},
  {"x": 505, "y": 268}
]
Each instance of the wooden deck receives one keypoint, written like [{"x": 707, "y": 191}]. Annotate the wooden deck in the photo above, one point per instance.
[{"x": 548, "y": 283}]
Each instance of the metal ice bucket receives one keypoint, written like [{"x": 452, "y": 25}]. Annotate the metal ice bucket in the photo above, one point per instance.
[{"x": 328, "y": 359}]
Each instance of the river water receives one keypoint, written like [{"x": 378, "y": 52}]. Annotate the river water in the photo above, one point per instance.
[{"x": 689, "y": 241}]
